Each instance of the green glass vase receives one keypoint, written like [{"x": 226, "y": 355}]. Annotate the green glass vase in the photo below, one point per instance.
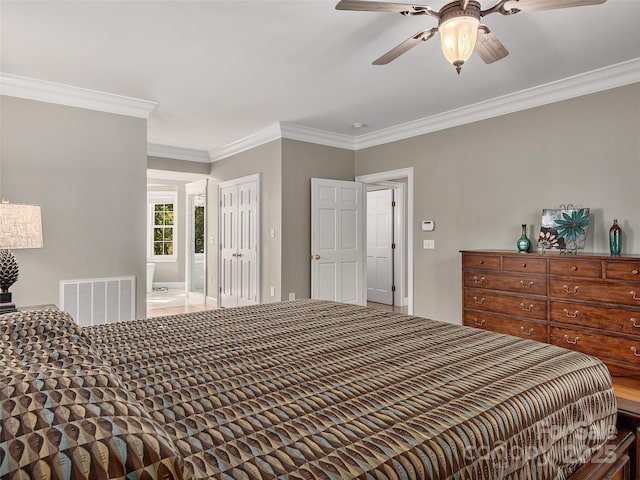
[
  {"x": 615, "y": 239},
  {"x": 523, "y": 243}
]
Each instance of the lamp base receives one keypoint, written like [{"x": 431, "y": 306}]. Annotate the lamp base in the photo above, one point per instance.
[{"x": 6, "y": 305}]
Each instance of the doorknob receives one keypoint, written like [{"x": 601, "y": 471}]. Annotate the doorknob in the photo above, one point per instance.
[{"x": 316, "y": 257}]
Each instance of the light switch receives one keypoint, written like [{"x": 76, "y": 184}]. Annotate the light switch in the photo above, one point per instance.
[{"x": 429, "y": 244}]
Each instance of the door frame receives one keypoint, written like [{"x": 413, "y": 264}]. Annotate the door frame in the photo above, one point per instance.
[
  {"x": 194, "y": 188},
  {"x": 389, "y": 176},
  {"x": 228, "y": 183}
]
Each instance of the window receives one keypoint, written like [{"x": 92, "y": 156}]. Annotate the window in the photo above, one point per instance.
[{"x": 162, "y": 226}]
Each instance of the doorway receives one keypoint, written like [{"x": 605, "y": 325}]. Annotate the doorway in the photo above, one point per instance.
[
  {"x": 401, "y": 183},
  {"x": 196, "y": 264}
]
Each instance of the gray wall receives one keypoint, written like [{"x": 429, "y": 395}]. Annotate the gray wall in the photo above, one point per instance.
[
  {"x": 87, "y": 170},
  {"x": 267, "y": 161},
  {"x": 481, "y": 181},
  {"x": 300, "y": 162}
]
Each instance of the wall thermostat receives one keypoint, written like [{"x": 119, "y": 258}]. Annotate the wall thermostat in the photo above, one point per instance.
[{"x": 427, "y": 225}]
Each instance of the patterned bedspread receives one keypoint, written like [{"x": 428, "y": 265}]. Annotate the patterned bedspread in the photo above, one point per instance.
[{"x": 303, "y": 390}]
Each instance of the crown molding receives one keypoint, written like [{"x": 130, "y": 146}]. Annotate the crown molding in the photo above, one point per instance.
[
  {"x": 312, "y": 135},
  {"x": 272, "y": 132},
  {"x": 177, "y": 153},
  {"x": 613, "y": 76},
  {"x": 51, "y": 92}
]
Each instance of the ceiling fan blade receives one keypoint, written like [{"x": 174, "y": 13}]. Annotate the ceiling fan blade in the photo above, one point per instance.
[
  {"x": 405, "y": 46},
  {"x": 488, "y": 47},
  {"x": 536, "y": 5},
  {"x": 363, "y": 5}
]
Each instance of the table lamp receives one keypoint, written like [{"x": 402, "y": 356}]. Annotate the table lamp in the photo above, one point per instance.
[{"x": 20, "y": 227}]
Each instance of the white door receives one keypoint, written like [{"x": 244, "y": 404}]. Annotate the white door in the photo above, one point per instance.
[
  {"x": 246, "y": 255},
  {"x": 228, "y": 245},
  {"x": 379, "y": 246},
  {"x": 239, "y": 241},
  {"x": 195, "y": 271},
  {"x": 337, "y": 241}
]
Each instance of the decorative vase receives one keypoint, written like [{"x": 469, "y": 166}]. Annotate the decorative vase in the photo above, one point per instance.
[
  {"x": 615, "y": 239},
  {"x": 523, "y": 244}
]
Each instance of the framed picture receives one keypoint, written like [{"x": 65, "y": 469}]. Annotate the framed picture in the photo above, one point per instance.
[{"x": 563, "y": 229}]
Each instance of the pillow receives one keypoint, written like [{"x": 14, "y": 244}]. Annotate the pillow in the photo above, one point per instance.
[{"x": 64, "y": 414}]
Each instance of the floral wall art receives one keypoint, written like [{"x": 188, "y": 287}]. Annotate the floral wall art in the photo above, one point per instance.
[{"x": 563, "y": 229}]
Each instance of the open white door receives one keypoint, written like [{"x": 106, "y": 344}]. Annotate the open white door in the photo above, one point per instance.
[
  {"x": 338, "y": 241},
  {"x": 380, "y": 246}
]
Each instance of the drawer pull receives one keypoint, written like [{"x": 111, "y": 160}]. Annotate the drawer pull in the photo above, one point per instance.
[
  {"x": 524, "y": 265},
  {"x": 526, "y": 309},
  {"x": 634, "y": 295},
  {"x": 634, "y": 322},
  {"x": 574, "y": 341},
  {"x": 574, "y": 268},
  {"x": 572, "y": 291},
  {"x": 527, "y": 333},
  {"x": 478, "y": 280},
  {"x": 575, "y": 314},
  {"x": 635, "y": 272},
  {"x": 481, "y": 262},
  {"x": 480, "y": 322},
  {"x": 479, "y": 302},
  {"x": 635, "y": 351},
  {"x": 525, "y": 285}
]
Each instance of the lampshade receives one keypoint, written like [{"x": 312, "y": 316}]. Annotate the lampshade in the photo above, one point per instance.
[
  {"x": 458, "y": 38},
  {"x": 20, "y": 226},
  {"x": 459, "y": 31}
]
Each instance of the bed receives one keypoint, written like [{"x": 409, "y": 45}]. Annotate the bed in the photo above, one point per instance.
[{"x": 304, "y": 390}]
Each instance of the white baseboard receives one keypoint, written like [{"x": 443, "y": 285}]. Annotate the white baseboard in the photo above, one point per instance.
[{"x": 211, "y": 301}]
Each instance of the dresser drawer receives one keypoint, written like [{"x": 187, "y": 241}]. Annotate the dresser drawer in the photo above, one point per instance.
[
  {"x": 602, "y": 318},
  {"x": 524, "y": 264},
  {"x": 482, "y": 262},
  {"x": 595, "y": 291},
  {"x": 517, "y": 305},
  {"x": 619, "y": 349},
  {"x": 510, "y": 326},
  {"x": 623, "y": 271},
  {"x": 575, "y": 267},
  {"x": 525, "y": 284}
]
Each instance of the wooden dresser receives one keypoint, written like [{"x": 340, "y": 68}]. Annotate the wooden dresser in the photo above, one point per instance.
[{"x": 589, "y": 302}]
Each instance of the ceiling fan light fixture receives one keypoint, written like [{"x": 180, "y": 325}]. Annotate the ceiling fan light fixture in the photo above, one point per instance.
[{"x": 459, "y": 31}]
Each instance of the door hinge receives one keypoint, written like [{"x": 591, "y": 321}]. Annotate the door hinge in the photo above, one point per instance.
[
  {"x": 393, "y": 203},
  {"x": 393, "y": 288},
  {"x": 393, "y": 246},
  {"x": 220, "y": 289}
]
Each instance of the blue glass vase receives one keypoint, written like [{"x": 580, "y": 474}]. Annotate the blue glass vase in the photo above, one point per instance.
[{"x": 523, "y": 243}]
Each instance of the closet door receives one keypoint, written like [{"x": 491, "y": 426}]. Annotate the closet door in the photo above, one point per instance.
[
  {"x": 239, "y": 224},
  {"x": 247, "y": 244},
  {"x": 228, "y": 219}
]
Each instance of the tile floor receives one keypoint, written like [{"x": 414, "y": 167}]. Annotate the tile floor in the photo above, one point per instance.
[{"x": 171, "y": 302}]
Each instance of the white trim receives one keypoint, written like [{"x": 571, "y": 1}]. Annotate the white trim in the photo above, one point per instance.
[
  {"x": 177, "y": 153},
  {"x": 393, "y": 175},
  {"x": 153, "y": 174},
  {"x": 211, "y": 301},
  {"x": 613, "y": 76},
  {"x": 254, "y": 140},
  {"x": 312, "y": 135},
  {"x": 51, "y": 92}
]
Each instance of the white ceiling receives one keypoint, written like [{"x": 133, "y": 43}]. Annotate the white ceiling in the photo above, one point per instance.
[{"x": 224, "y": 70}]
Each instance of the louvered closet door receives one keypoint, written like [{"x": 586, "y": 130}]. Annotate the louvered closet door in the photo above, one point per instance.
[{"x": 239, "y": 242}]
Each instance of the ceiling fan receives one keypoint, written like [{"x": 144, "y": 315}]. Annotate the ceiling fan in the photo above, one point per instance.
[{"x": 461, "y": 32}]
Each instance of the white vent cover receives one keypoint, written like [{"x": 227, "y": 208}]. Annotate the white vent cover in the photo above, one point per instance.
[{"x": 99, "y": 300}]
